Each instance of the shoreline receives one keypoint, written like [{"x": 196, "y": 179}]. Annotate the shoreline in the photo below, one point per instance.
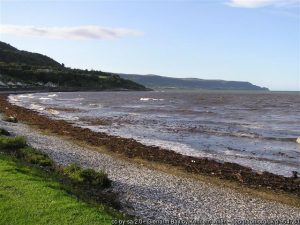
[
  {"x": 149, "y": 193},
  {"x": 132, "y": 149}
]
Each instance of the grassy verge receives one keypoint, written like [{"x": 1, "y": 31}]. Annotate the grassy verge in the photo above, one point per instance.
[{"x": 33, "y": 190}]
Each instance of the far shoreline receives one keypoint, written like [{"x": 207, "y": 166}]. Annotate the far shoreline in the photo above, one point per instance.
[{"x": 5, "y": 91}]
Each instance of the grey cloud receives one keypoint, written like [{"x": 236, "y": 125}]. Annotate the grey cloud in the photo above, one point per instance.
[{"x": 77, "y": 33}]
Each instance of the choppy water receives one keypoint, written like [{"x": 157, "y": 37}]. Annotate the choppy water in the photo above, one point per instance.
[{"x": 258, "y": 130}]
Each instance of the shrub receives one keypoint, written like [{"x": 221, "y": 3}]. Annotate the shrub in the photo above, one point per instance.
[
  {"x": 87, "y": 176},
  {"x": 4, "y": 132},
  {"x": 12, "y": 143},
  {"x": 73, "y": 172},
  {"x": 18, "y": 147},
  {"x": 32, "y": 156},
  {"x": 95, "y": 178}
]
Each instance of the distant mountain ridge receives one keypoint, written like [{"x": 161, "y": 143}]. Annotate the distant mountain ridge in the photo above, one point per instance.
[{"x": 161, "y": 82}]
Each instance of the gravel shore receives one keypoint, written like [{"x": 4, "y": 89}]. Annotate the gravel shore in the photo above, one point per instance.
[{"x": 154, "y": 194}]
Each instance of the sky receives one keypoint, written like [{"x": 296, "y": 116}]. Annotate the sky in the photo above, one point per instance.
[{"x": 243, "y": 40}]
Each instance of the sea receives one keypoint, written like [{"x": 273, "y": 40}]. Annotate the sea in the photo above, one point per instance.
[{"x": 254, "y": 129}]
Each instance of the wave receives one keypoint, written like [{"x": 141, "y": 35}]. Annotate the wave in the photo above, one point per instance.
[
  {"x": 13, "y": 99},
  {"x": 36, "y": 107},
  {"x": 95, "y": 106},
  {"x": 69, "y": 99},
  {"x": 151, "y": 99},
  {"x": 52, "y": 95},
  {"x": 53, "y": 111},
  {"x": 26, "y": 96},
  {"x": 224, "y": 133},
  {"x": 45, "y": 98},
  {"x": 254, "y": 136}
]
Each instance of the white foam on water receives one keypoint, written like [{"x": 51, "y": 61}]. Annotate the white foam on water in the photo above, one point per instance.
[
  {"x": 52, "y": 111},
  {"x": 45, "y": 98},
  {"x": 183, "y": 149},
  {"x": 151, "y": 99},
  {"x": 52, "y": 95},
  {"x": 69, "y": 99},
  {"x": 36, "y": 107},
  {"x": 25, "y": 96},
  {"x": 95, "y": 106},
  {"x": 13, "y": 98},
  {"x": 69, "y": 117}
]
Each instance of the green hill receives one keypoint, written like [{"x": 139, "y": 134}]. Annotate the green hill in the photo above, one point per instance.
[
  {"x": 27, "y": 70},
  {"x": 9, "y": 54}
]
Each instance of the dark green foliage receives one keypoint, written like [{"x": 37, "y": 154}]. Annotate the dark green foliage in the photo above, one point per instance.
[
  {"x": 9, "y": 54},
  {"x": 7, "y": 47},
  {"x": 4, "y": 132},
  {"x": 87, "y": 176},
  {"x": 12, "y": 143},
  {"x": 17, "y": 146},
  {"x": 35, "y": 70},
  {"x": 34, "y": 157},
  {"x": 65, "y": 78},
  {"x": 95, "y": 178},
  {"x": 73, "y": 171}
]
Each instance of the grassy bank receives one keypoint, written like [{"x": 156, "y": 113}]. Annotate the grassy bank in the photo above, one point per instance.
[
  {"x": 30, "y": 196},
  {"x": 33, "y": 190}
]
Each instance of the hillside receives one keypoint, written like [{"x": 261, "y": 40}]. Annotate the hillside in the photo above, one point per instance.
[
  {"x": 9, "y": 54},
  {"x": 31, "y": 71},
  {"x": 161, "y": 82}
]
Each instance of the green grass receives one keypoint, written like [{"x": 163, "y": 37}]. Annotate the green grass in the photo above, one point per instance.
[
  {"x": 18, "y": 147},
  {"x": 12, "y": 143},
  {"x": 29, "y": 195},
  {"x": 34, "y": 157},
  {"x": 34, "y": 190}
]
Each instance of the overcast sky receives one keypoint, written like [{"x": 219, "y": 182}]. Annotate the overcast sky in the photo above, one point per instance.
[{"x": 244, "y": 40}]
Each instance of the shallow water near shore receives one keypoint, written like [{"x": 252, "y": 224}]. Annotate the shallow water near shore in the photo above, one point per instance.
[{"x": 257, "y": 130}]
